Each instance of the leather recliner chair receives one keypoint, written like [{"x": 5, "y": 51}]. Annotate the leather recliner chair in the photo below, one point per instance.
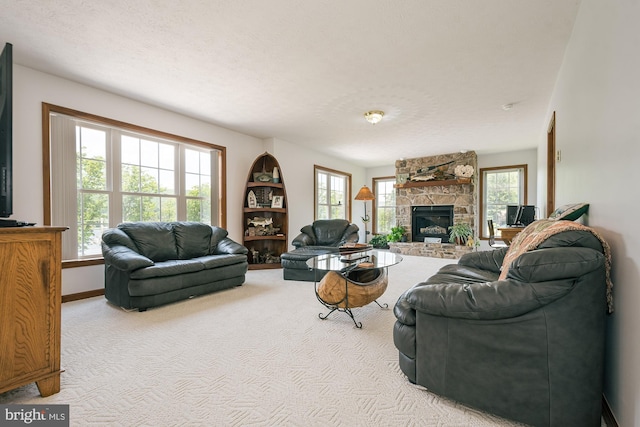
[
  {"x": 322, "y": 237},
  {"x": 529, "y": 346}
]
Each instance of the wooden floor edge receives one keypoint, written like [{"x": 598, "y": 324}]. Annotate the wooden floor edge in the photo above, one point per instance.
[
  {"x": 82, "y": 295},
  {"x": 607, "y": 415}
]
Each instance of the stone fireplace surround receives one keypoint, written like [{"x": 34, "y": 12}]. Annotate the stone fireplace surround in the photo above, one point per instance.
[{"x": 461, "y": 195}]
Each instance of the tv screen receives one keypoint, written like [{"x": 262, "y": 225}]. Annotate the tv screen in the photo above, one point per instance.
[
  {"x": 512, "y": 214},
  {"x": 527, "y": 214},
  {"x": 6, "y": 135}
]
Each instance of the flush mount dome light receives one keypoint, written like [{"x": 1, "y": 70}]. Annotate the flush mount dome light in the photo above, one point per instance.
[{"x": 374, "y": 116}]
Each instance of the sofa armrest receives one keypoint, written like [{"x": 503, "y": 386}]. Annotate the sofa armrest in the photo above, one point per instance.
[
  {"x": 124, "y": 258},
  {"x": 303, "y": 239},
  {"x": 228, "y": 246},
  {"x": 485, "y": 260},
  {"x": 350, "y": 235}
]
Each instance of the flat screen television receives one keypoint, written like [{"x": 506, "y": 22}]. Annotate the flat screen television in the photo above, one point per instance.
[
  {"x": 512, "y": 214},
  {"x": 6, "y": 132},
  {"x": 520, "y": 215},
  {"x": 526, "y": 215}
]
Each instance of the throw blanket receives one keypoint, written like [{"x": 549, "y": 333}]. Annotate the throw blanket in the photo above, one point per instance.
[{"x": 539, "y": 231}]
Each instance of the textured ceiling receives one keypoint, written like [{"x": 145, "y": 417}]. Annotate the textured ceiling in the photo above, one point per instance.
[{"x": 307, "y": 71}]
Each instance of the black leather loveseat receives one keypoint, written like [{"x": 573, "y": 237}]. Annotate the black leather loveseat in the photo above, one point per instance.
[
  {"x": 152, "y": 263},
  {"x": 322, "y": 237},
  {"x": 518, "y": 334}
]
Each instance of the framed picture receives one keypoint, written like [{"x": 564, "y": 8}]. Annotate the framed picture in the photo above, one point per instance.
[{"x": 277, "y": 201}]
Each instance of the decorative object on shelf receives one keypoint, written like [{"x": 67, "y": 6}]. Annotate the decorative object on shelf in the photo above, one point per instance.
[
  {"x": 402, "y": 178},
  {"x": 262, "y": 177},
  {"x": 365, "y": 195},
  {"x": 374, "y": 116},
  {"x": 276, "y": 202},
  {"x": 252, "y": 202},
  {"x": 464, "y": 171},
  {"x": 436, "y": 172},
  {"x": 276, "y": 175}
]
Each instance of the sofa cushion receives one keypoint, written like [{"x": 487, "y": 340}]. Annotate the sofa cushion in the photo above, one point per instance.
[
  {"x": 215, "y": 261},
  {"x": 192, "y": 239},
  {"x": 569, "y": 212},
  {"x": 168, "y": 268},
  {"x": 155, "y": 240}
]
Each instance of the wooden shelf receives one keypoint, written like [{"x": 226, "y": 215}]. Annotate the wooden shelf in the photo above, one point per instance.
[
  {"x": 264, "y": 184},
  {"x": 433, "y": 183},
  {"x": 254, "y": 238},
  {"x": 258, "y": 210}
]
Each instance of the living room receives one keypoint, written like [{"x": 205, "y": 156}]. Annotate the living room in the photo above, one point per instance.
[{"x": 595, "y": 99}]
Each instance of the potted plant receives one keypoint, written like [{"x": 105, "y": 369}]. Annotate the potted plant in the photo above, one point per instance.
[
  {"x": 460, "y": 233},
  {"x": 379, "y": 241},
  {"x": 397, "y": 233}
]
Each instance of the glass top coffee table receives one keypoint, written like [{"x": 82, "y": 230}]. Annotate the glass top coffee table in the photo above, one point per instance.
[{"x": 352, "y": 280}]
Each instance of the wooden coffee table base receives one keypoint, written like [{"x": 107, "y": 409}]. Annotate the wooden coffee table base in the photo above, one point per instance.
[{"x": 357, "y": 289}]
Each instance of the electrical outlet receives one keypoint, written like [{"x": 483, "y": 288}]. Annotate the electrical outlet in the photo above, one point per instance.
[{"x": 558, "y": 156}]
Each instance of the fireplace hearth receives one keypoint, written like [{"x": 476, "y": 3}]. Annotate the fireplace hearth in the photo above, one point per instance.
[{"x": 431, "y": 221}]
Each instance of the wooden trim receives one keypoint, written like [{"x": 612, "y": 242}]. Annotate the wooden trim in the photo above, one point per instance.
[
  {"x": 433, "y": 183},
  {"x": 551, "y": 165},
  {"x": 73, "y": 263},
  {"x": 607, "y": 414},
  {"x": 82, "y": 295},
  {"x": 47, "y": 109},
  {"x": 46, "y": 162},
  {"x": 374, "y": 189},
  {"x": 483, "y": 220}
]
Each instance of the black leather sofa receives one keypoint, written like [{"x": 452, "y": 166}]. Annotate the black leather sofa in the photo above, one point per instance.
[
  {"x": 322, "y": 237},
  {"x": 529, "y": 346},
  {"x": 153, "y": 263}
]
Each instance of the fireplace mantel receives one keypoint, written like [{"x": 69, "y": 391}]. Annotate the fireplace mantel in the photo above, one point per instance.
[{"x": 416, "y": 184}]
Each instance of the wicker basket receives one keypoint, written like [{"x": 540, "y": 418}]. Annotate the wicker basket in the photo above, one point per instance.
[{"x": 362, "y": 287}]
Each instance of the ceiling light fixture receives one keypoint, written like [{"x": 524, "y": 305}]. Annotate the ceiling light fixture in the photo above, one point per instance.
[{"x": 374, "y": 116}]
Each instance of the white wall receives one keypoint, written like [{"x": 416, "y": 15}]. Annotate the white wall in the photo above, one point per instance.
[
  {"x": 597, "y": 104},
  {"x": 297, "y": 165},
  {"x": 32, "y": 88}
]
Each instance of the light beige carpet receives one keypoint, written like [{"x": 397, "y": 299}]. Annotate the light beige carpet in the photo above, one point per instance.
[{"x": 255, "y": 355}]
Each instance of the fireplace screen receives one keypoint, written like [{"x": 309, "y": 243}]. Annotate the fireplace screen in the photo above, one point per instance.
[{"x": 431, "y": 221}]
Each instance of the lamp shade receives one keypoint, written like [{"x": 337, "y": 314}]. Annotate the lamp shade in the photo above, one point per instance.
[{"x": 364, "y": 194}]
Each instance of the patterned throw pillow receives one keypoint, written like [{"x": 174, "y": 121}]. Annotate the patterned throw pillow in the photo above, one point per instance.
[{"x": 570, "y": 212}]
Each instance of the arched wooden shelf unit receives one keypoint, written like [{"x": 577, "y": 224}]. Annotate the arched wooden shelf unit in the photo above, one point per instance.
[{"x": 264, "y": 214}]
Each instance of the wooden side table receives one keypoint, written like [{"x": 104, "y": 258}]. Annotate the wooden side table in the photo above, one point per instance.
[{"x": 508, "y": 233}]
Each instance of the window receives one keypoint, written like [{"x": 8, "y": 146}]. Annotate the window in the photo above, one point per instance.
[
  {"x": 384, "y": 211},
  {"x": 105, "y": 172},
  {"x": 333, "y": 193},
  {"x": 499, "y": 187}
]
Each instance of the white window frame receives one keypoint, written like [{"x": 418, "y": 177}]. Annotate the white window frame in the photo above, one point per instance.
[
  {"x": 484, "y": 203},
  {"x": 346, "y": 191},
  {"x": 61, "y": 200}
]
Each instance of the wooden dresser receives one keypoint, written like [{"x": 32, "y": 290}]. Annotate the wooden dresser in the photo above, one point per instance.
[{"x": 30, "y": 297}]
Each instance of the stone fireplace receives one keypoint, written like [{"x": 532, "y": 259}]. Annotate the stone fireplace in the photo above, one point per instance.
[
  {"x": 458, "y": 195},
  {"x": 431, "y": 221}
]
